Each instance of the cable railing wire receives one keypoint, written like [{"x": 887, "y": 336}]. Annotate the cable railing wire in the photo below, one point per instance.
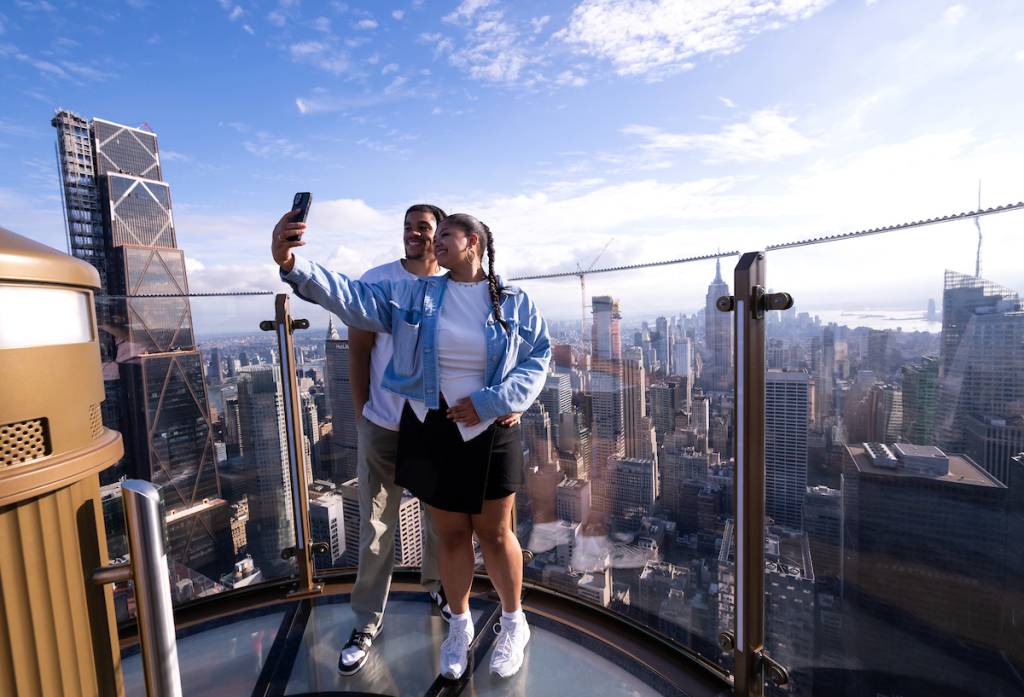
[
  {"x": 789, "y": 245},
  {"x": 1006, "y": 208}
]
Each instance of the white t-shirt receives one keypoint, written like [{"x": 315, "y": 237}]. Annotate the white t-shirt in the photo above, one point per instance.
[
  {"x": 461, "y": 348},
  {"x": 384, "y": 408}
]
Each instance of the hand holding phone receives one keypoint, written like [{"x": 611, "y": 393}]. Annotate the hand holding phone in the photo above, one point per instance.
[{"x": 301, "y": 203}]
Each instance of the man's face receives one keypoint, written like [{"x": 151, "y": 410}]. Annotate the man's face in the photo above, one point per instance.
[{"x": 419, "y": 235}]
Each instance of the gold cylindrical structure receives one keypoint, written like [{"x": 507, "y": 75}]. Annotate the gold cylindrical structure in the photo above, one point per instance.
[{"x": 58, "y": 635}]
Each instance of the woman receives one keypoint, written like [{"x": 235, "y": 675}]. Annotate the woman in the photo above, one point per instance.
[{"x": 468, "y": 353}]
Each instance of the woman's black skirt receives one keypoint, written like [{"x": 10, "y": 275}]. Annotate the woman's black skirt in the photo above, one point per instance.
[{"x": 445, "y": 472}]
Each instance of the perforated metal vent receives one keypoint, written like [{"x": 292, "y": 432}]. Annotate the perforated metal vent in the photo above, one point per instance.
[
  {"x": 95, "y": 421},
  {"x": 24, "y": 441}
]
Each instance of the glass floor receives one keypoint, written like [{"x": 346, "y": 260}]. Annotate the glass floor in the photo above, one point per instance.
[{"x": 292, "y": 649}]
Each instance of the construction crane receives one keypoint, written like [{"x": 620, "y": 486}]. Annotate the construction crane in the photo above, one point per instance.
[{"x": 581, "y": 273}]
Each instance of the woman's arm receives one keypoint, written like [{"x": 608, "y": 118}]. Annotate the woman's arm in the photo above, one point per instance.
[
  {"x": 360, "y": 305},
  {"x": 524, "y": 383}
]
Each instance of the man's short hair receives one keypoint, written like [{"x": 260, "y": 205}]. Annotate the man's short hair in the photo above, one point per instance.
[{"x": 438, "y": 214}]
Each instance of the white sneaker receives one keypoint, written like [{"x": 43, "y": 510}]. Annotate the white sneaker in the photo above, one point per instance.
[
  {"x": 509, "y": 647},
  {"x": 455, "y": 649}
]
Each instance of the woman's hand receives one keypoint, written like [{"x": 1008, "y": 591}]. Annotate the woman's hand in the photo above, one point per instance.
[
  {"x": 464, "y": 412},
  {"x": 281, "y": 246},
  {"x": 509, "y": 420}
]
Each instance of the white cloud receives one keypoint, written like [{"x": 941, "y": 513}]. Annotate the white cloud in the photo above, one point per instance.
[
  {"x": 1020, "y": 56},
  {"x": 538, "y": 23},
  {"x": 321, "y": 54},
  {"x": 466, "y": 9},
  {"x": 322, "y": 24},
  {"x": 248, "y": 29},
  {"x": 389, "y": 68},
  {"x": 236, "y": 13},
  {"x": 493, "y": 50},
  {"x": 366, "y": 24},
  {"x": 727, "y": 102},
  {"x": 276, "y": 18},
  {"x": 569, "y": 78},
  {"x": 398, "y": 14},
  {"x": 270, "y": 147},
  {"x": 766, "y": 136},
  {"x": 396, "y": 85},
  {"x": 953, "y": 14},
  {"x": 655, "y": 38},
  {"x": 193, "y": 265},
  {"x": 173, "y": 156}
]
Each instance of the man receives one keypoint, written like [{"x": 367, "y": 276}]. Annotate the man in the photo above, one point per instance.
[{"x": 381, "y": 411}]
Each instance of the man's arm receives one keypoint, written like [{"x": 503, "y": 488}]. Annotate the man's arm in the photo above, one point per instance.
[{"x": 360, "y": 345}]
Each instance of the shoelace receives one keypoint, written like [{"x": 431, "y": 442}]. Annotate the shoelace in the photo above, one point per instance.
[
  {"x": 503, "y": 646},
  {"x": 457, "y": 643},
  {"x": 361, "y": 639}
]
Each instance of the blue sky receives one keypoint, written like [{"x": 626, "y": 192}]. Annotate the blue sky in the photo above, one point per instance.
[{"x": 670, "y": 128}]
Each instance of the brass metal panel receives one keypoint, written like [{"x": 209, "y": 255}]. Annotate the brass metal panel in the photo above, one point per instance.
[
  {"x": 58, "y": 635},
  {"x": 58, "y": 383},
  {"x": 22, "y": 259},
  {"x": 42, "y": 476}
]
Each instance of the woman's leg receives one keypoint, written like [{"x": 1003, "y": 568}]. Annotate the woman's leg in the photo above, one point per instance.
[
  {"x": 502, "y": 553},
  {"x": 454, "y": 555}
]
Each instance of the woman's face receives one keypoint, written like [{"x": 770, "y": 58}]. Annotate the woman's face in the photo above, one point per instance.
[{"x": 453, "y": 247}]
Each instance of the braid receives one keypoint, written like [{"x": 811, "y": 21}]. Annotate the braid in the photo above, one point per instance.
[{"x": 492, "y": 279}]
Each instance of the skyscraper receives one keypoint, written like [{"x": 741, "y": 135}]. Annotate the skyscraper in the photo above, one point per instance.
[
  {"x": 344, "y": 438},
  {"x": 982, "y": 384},
  {"x": 119, "y": 219},
  {"x": 925, "y": 550},
  {"x": 632, "y": 489},
  {"x": 787, "y": 409},
  {"x": 878, "y": 342},
  {"x": 606, "y": 333},
  {"x": 639, "y": 435},
  {"x": 271, "y": 525},
  {"x": 885, "y": 419},
  {"x": 717, "y": 337},
  {"x": 919, "y": 396}
]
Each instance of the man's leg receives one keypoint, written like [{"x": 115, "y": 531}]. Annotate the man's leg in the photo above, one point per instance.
[
  {"x": 379, "y": 500},
  {"x": 430, "y": 575}
]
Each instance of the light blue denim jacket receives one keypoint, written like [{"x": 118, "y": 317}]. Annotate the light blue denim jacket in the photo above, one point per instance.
[{"x": 517, "y": 361}]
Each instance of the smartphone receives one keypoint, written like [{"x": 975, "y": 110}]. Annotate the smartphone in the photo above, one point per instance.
[{"x": 301, "y": 202}]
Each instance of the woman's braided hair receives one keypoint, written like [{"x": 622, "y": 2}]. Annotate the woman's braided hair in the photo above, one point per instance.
[{"x": 471, "y": 225}]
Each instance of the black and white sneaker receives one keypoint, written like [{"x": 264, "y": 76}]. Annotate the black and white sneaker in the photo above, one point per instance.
[
  {"x": 441, "y": 601},
  {"x": 356, "y": 651}
]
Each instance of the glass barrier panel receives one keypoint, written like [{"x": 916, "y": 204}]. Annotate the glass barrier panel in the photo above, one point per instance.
[
  {"x": 895, "y": 423},
  {"x": 628, "y": 488},
  {"x": 194, "y": 387}
]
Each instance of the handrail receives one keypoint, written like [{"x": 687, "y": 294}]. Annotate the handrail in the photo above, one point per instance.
[{"x": 148, "y": 569}]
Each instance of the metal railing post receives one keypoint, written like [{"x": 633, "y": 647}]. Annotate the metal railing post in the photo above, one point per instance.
[
  {"x": 750, "y": 304},
  {"x": 149, "y": 572},
  {"x": 304, "y": 548},
  {"x": 749, "y": 376}
]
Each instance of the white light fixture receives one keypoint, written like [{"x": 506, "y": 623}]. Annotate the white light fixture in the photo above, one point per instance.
[{"x": 34, "y": 316}]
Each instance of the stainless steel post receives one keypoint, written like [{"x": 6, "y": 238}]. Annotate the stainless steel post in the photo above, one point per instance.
[
  {"x": 283, "y": 325},
  {"x": 145, "y": 527}
]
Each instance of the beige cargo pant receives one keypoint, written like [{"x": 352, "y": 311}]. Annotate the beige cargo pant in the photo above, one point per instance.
[{"x": 379, "y": 500}]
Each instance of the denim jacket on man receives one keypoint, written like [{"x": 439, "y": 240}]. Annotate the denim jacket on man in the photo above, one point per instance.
[{"x": 517, "y": 360}]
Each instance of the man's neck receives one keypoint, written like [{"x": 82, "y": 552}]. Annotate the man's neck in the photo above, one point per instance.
[{"x": 421, "y": 267}]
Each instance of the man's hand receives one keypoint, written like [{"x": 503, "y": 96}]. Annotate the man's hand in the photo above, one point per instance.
[
  {"x": 281, "y": 246},
  {"x": 464, "y": 412},
  {"x": 509, "y": 420}
]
